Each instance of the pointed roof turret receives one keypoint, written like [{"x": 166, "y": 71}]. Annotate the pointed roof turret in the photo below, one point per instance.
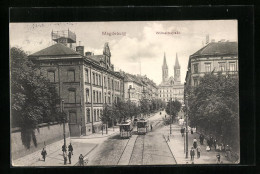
[
  {"x": 177, "y": 65},
  {"x": 164, "y": 62}
]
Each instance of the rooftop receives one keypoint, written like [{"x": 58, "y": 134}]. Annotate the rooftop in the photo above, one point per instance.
[
  {"x": 56, "y": 50},
  {"x": 217, "y": 48}
]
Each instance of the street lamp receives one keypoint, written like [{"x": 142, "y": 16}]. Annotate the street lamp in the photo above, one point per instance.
[
  {"x": 187, "y": 129},
  {"x": 64, "y": 120}
]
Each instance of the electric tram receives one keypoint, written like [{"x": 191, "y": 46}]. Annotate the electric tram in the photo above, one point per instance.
[
  {"x": 142, "y": 126},
  {"x": 126, "y": 129}
]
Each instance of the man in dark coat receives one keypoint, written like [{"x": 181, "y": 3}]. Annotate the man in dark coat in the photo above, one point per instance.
[
  {"x": 70, "y": 149},
  {"x": 201, "y": 139},
  {"x": 69, "y": 155},
  {"x": 192, "y": 154},
  {"x": 64, "y": 148},
  {"x": 44, "y": 153}
]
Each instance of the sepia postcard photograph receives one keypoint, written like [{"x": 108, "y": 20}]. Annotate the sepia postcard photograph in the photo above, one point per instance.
[{"x": 124, "y": 93}]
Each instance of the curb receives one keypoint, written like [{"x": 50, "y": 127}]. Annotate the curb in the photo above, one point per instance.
[{"x": 170, "y": 149}]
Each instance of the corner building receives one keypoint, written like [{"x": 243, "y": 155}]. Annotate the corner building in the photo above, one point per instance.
[
  {"x": 86, "y": 83},
  {"x": 213, "y": 58}
]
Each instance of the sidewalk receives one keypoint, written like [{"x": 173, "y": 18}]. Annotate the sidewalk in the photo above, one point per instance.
[
  {"x": 110, "y": 132},
  {"x": 176, "y": 145},
  {"x": 81, "y": 145}
]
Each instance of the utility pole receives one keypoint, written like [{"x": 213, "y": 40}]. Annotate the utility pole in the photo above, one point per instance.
[
  {"x": 170, "y": 115},
  {"x": 187, "y": 129},
  {"x": 64, "y": 132}
]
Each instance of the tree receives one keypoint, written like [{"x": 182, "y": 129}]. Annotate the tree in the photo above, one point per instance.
[
  {"x": 33, "y": 98},
  {"x": 145, "y": 106},
  {"x": 213, "y": 107},
  {"x": 173, "y": 107}
]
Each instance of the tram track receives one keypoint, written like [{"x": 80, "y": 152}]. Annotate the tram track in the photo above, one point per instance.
[{"x": 123, "y": 151}]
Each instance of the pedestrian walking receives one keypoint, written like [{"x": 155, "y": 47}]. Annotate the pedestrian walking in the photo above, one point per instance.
[
  {"x": 65, "y": 158},
  {"x": 215, "y": 144},
  {"x": 44, "y": 154},
  {"x": 69, "y": 155},
  {"x": 64, "y": 148},
  {"x": 198, "y": 152},
  {"x": 195, "y": 143},
  {"x": 168, "y": 138},
  {"x": 228, "y": 152},
  {"x": 151, "y": 127},
  {"x": 192, "y": 154},
  {"x": 218, "y": 158},
  {"x": 81, "y": 160},
  {"x": 191, "y": 131},
  {"x": 182, "y": 132},
  {"x": 209, "y": 145},
  {"x": 211, "y": 141},
  {"x": 70, "y": 149},
  {"x": 201, "y": 139},
  {"x": 165, "y": 116}
]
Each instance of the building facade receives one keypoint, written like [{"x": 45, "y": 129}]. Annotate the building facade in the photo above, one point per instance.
[
  {"x": 171, "y": 87},
  {"x": 137, "y": 87},
  {"x": 215, "y": 57},
  {"x": 86, "y": 83}
]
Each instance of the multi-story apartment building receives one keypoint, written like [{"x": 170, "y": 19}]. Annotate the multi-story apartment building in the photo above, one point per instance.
[
  {"x": 213, "y": 58},
  {"x": 85, "y": 83},
  {"x": 133, "y": 88},
  {"x": 171, "y": 87}
]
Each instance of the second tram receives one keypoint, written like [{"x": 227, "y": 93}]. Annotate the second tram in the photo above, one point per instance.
[
  {"x": 126, "y": 129},
  {"x": 142, "y": 126}
]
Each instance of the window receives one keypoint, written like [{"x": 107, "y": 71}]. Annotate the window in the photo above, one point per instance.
[
  {"x": 222, "y": 66},
  {"x": 51, "y": 76},
  {"x": 105, "y": 84},
  {"x": 72, "y": 96},
  {"x": 108, "y": 80},
  {"x": 207, "y": 67},
  {"x": 94, "y": 97},
  {"x": 86, "y": 75},
  {"x": 232, "y": 66},
  {"x": 100, "y": 101},
  {"x": 97, "y": 79},
  {"x": 105, "y": 97},
  {"x": 196, "y": 82},
  {"x": 98, "y": 115},
  {"x": 100, "y": 80},
  {"x": 112, "y": 84},
  {"x": 195, "y": 68},
  {"x": 88, "y": 115},
  {"x": 97, "y": 97},
  {"x": 93, "y": 78},
  {"x": 87, "y": 96},
  {"x": 71, "y": 76},
  {"x": 109, "y": 101},
  {"x": 94, "y": 115},
  {"x": 72, "y": 117}
]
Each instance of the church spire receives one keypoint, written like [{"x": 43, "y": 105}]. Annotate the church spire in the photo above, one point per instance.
[
  {"x": 164, "y": 69},
  {"x": 164, "y": 62},
  {"x": 177, "y": 65},
  {"x": 177, "y": 69}
]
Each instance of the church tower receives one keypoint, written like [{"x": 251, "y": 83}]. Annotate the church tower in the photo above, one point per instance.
[
  {"x": 164, "y": 70},
  {"x": 177, "y": 69}
]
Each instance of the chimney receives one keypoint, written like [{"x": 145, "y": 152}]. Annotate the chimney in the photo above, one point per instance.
[
  {"x": 88, "y": 53},
  {"x": 207, "y": 39},
  {"x": 80, "y": 49}
]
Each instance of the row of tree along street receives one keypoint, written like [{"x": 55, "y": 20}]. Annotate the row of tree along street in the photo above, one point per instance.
[
  {"x": 213, "y": 108},
  {"x": 123, "y": 110}
]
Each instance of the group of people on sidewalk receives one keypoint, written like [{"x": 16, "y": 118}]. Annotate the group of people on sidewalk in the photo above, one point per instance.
[
  {"x": 193, "y": 148},
  {"x": 65, "y": 155}
]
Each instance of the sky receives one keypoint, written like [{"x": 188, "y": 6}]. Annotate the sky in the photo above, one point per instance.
[{"x": 138, "y": 47}]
